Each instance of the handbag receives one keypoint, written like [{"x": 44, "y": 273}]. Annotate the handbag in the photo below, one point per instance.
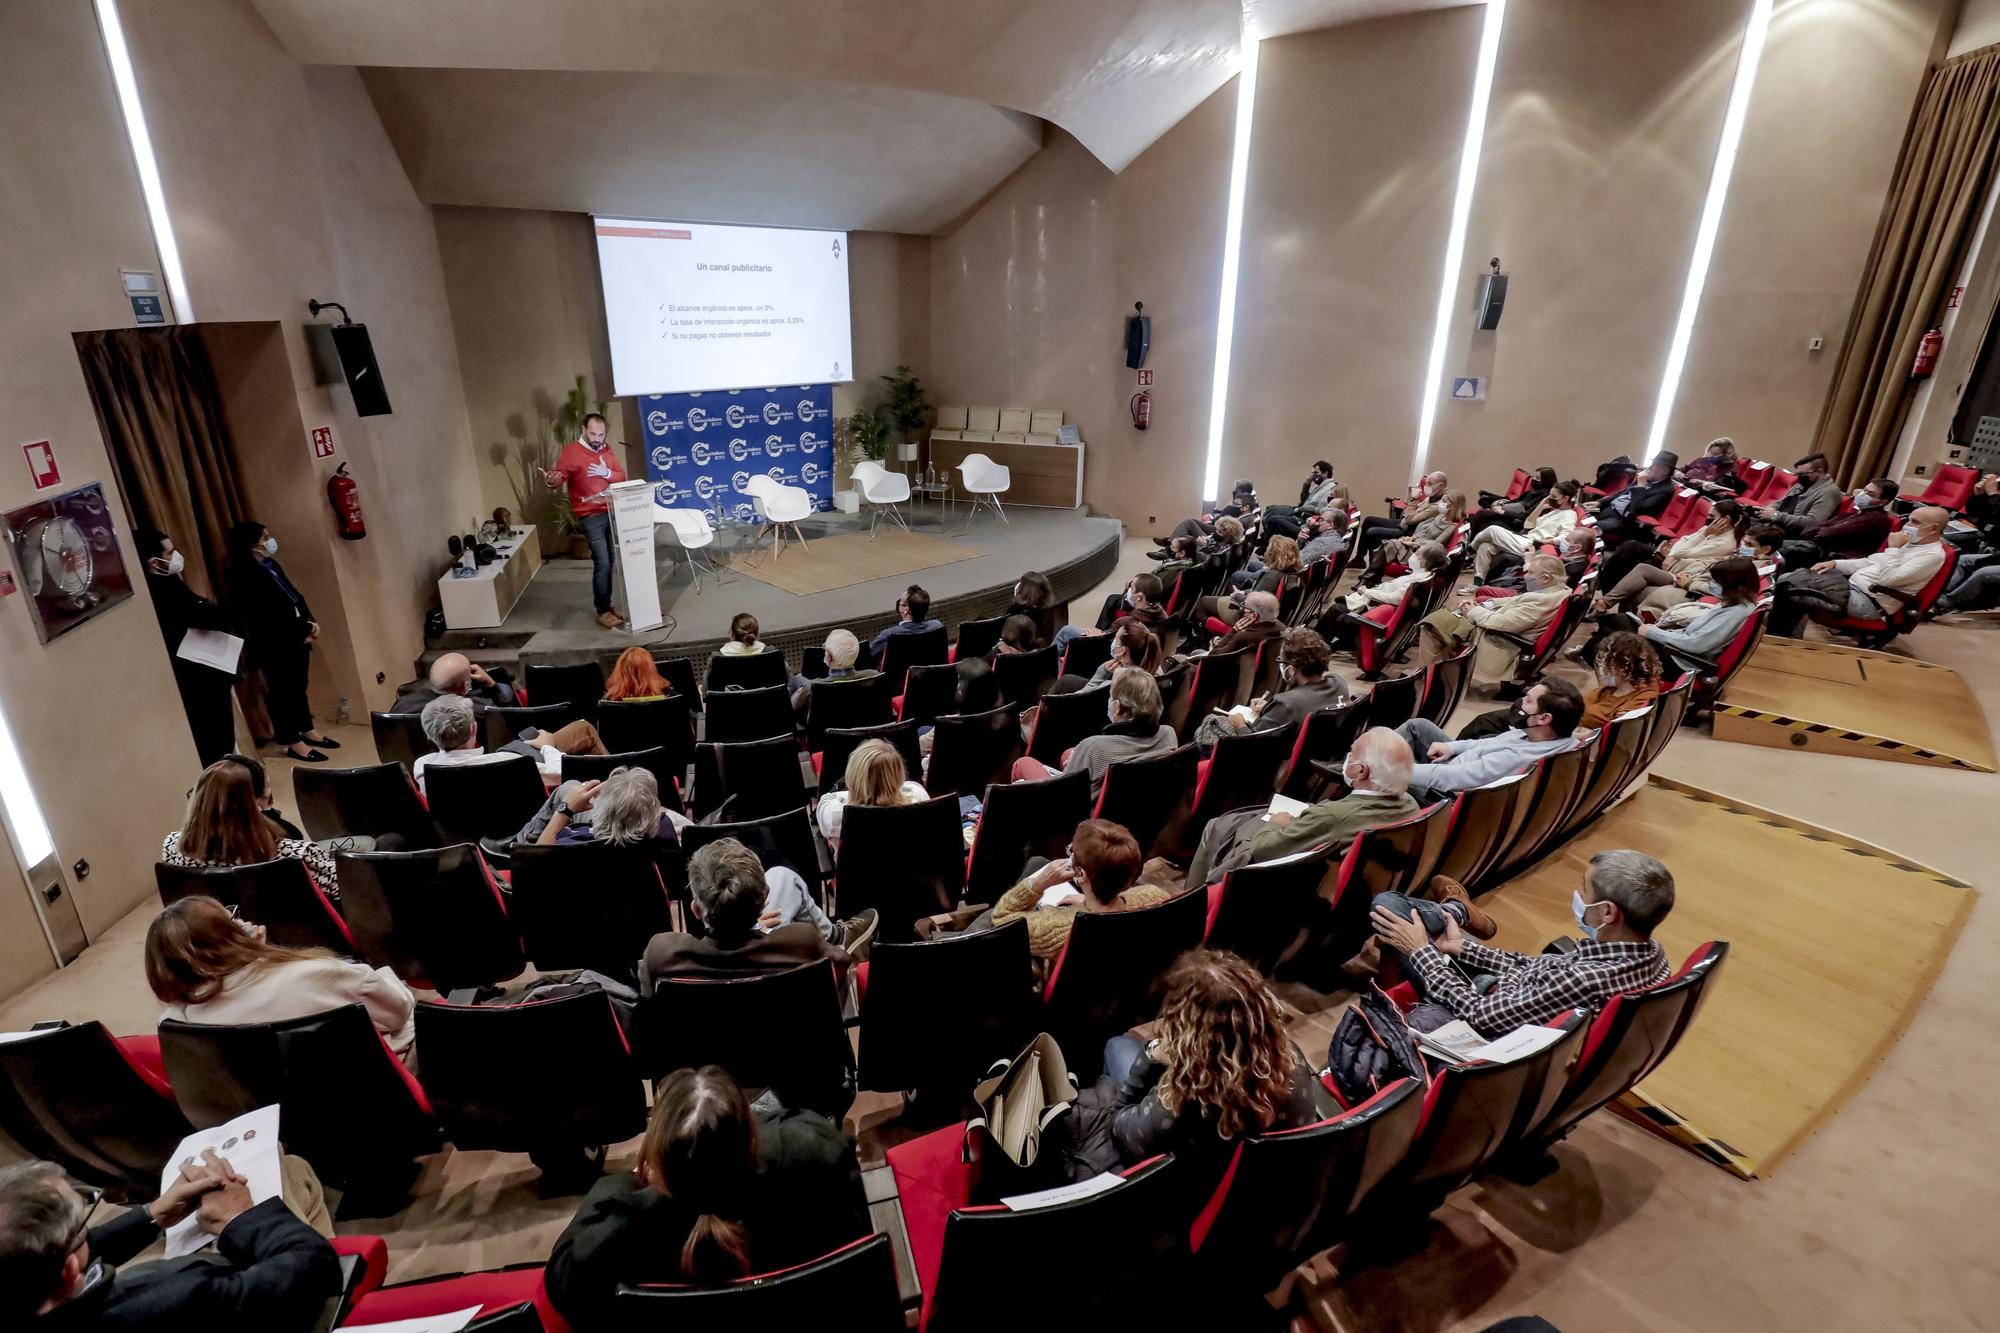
[{"x": 1019, "y": 1099}]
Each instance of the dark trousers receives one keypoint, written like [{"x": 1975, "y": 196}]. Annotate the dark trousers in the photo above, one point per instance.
[
  {"x": 205, "y": 699},
  {"x": 1490, "y": 723},
  {"x": 1114, "y": 606},
  {"x": 1188, "y": 527},
  {"x": 1283, "y": 522},
  {"x": 1505, "y": 514},
  {"x": 285, "y": 667},
  {"x": 1375, "y": 531},
  {"x": 597, "y": 531}
]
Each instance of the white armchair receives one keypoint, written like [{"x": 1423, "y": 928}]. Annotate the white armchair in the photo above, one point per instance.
[
  {"x": 781, "y": 507},
  {"x": 692, "y": 531},
  {"x": 883, "y": 490},
  {"x": 985, "y": 481}
]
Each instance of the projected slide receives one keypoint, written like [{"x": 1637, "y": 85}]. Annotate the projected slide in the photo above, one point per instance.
[{"x": 694, "y": 306}]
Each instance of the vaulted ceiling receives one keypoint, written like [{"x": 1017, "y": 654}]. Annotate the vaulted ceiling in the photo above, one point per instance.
[{"x": 888, "y": 114}]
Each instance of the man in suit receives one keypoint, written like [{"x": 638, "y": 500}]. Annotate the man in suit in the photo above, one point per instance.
[
  {"x": 269, "y": 1272},
  {"x": 730, "y": 895},
  {"x": 1541, "y": 600},
  {"x": 455, "y": 673},
  {"x": 1618, "y": 517}
]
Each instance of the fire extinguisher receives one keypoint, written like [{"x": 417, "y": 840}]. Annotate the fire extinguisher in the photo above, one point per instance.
[
  {"x": 346, "y": 500},
  {"x": 1928, "y": 348},
  {"x": 1142, "y": 409}
]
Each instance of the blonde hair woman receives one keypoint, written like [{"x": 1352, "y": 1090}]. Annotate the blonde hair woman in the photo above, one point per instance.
[
  {"x": 875, "y": 776},
  {"x": 1220, "y": 1068}
]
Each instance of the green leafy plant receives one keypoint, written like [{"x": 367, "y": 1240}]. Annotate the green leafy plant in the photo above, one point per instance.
[
  {"x": 565, "y": 425},
  {"x": 906, "y": 407},
  {"x": 863, "y": 435}
]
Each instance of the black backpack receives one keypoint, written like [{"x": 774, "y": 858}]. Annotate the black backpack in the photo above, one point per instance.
[{"x": 1371, "y": 1048}]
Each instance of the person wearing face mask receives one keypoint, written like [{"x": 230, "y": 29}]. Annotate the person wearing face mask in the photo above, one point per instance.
[
  {"x": 1133, "y": 707},
  {"x": 1624, "y": 898},
  {"x": 1550, "y": 710},
  {"x": 1849, "y": 536},
  {"x": 1618, "y": 517},
  {"x": 1376, "y": 772},
  {"x": 1684, "y": 571},
  {"x": 279, "y": 632},
  {"x": 1541, "y": 601},
  {"x": 205, "y": 692},
  {"x": 1812, "y": 500},
  {"x": 1307, "y": 686},
  {"x": 1869, "y": 589}
]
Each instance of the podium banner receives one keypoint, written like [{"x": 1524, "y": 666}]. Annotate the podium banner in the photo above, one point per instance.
[
  {"x": 632, "y": 521},
  {"x": 703, "y": 448}
]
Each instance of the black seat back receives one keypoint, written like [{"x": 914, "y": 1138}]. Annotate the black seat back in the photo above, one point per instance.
[
  {"x": 1108, "y": 976},
  {"x": 507, "y": 724},
  {"x": 1023, "y": 677},
  {"x": 1394, "y": 700},
  {"x": 900, "y": 652},
  {"x": 377, "y": 801},
  {"x": 1242, "y": 770},
  {"x": 329, "y": 1072},
  {"x": 781, "y": 1030},
  {"x": 978, "y": 638},
  {"x": 1065, "y": 719},
  {"x": 841, "y": 742},
  {"x": 937, "y": 1014},
  {"x": 1475, "y": 1110},
  {"x": 399, "y": 738},
  {"x": 597, "y": 767},
  {"x": 857, "y": 1280},
  {"x": 905, "y": 861},
  {"x": 486, "y": 800},
  {"x": 679, "y": 672},
  {"x": 749, "y": 714},
  {"x": 628, "y": 725},
  {"x": 1479, "y": 820},
  {"x": 1086, "y": 653},
  {"x": 784, "y": 839},
  {"x": 1151, "y": 797},
  {"x": 1265, "y": 912},
  {"x": 1328, "y": 734},
  {"x": 1562, "y": 785},
  {"x": 929, "y": 692},
  {"x": 526, "y": 1077},
  {"x": 745, "y": 671},
  {"x": 1021, "y": 820},
  {"x": 970, "y": 750},
  {"x": 756, "y": 778},
  {"x": 578, "y": 684},
  {"x": 850, "y": 702},
  {"x": 437, "y": 919},
  {"x": 1213, "y": 685},
  {"x": 588, "y": 904},
  {"x": 1445, "y": 686},
  {"x": 70, "y": 1095},
  {"x": 1619, "y": 749},
  {"x": 278, "y": 895}
]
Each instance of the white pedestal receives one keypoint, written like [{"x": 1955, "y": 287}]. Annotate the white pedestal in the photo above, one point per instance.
[{"x": 482, "y": 600}]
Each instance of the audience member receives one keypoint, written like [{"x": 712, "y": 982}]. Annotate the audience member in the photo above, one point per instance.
[
  {"x": 1399, "y": 550},
  {"x": 1425, "y": 499},
  {"x": 913, "y": 616},
  {"x": 1633, "y": 581},
  {"x": 1717, "y": 467},
  {"x": 636, "y": 678},
  {"x": 842, "y": 651},
  {"x": 1100, "y": 871},
  {"x": 1852, "y": 535},
  {"x": 1647, "y": 497},
  {"x": 1258, "y": 622},
  {"x": 278, "y": 637},
  {"x": 1506, "y": 576},
  {"x": 1307, "y": 686},
  {"x": 226, "y": 826},
  {"x": 1624, "y": 898},
  {"x": 1812, "y": 500},
  {"x": 1379, "y": 602},
  {"x": 1376, "y": 772},
  {"x": 1018, "y": 634},
  {"x": 730, "y": 890},
  {"x": 1133, "y": 706},
  {"x": 450, "y": 725},
  {"x": 743, "y": 640},
  {"x": 1220, "y": 1068},
  {"x": 724, "y": 1188},
  {"x": 1550, "y": 711},
  {"x": 1514, "y": 513},
  {"x": 206, "y": 966},
  {"x": 875, "y": 775},
  {"x": 975, "y": 689},
  {"x": 1872, "y": 588},
  {"x": 1699, "y": 628},
  {"x": 622, "y": 808},
  {"x": 1547, "y": 523},
  {"x": 1140, "y": 601},
  {"x": 1281, "y": 561},
  {"x": 455, "y": 673},
  {"x": 1540, "y": 602},
  {"x": 206, "y": 693},
  {"x": 268, "y": 1273},
  {"x": 1132, "y": 644},
  {"x": 1035, "y": 599},
  {"x": 1314, "y": 494},
  {"x": 1326, "y": 537},
  {"x": 260, "y": 790},
  {"x": 1628, "y": 677}
]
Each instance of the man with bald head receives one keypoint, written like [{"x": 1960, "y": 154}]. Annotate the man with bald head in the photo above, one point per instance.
[
  {"x": 456, "y": 674},
  {"x": 1258, "y": 622},
  {"x": 1870, "y": 588},
  {"x": 1426, "y": 501}
]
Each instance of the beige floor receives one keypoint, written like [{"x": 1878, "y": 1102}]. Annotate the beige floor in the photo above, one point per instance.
[{"x": 1879, "y": 1221}]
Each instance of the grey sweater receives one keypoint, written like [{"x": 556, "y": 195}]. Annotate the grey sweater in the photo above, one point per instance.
[{"x": 1119, "y": 742}]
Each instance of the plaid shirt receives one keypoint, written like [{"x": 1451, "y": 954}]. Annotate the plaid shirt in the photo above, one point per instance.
[{"x": 1536, "y": 988}]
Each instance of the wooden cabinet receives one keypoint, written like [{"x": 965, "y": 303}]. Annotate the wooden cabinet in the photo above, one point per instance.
[{"x": 1044, "y": 476}]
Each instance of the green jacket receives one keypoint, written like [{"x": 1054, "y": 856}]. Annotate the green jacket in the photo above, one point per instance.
[{"x": 1335, "y": 822}]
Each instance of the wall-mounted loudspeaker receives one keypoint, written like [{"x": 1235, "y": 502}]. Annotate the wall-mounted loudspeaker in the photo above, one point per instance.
[
  {"x": 343, "y": 352},
  {"x": 1492, "y": 297},
  {"x": 1138, "y": 336}
]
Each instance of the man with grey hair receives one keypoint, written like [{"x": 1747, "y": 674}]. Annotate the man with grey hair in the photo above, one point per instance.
[
  {"x": 454, "y": 675},
  {"x": 1624, "y": 898},
  {"x": 842, "y": 650},
  {"x": 731, "y": 893},
  {"x": 623, "y": 808},
  {"x": 1376, "y": 772},
  {"x": 1258, "y": 622},
  {"x": 270, "y": 1272}
]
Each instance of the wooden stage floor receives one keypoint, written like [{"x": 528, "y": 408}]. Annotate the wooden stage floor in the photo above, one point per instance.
[
  {"x": 1833, "y": 699},
  {"x": 1834, "y": 943}
]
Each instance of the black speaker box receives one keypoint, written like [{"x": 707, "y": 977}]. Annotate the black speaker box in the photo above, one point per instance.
[
  {"x": 1492, "y": 297},
  {"x": 357, "y": 366}
]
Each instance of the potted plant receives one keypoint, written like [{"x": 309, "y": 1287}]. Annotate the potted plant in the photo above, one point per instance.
[
  {"x": 865, "y": 434},
  {"x": 564, "y": 422},
  {"x": 906, "y": 408}
]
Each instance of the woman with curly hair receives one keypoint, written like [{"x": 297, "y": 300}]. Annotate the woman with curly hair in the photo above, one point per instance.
[
  {"x": 1220, "y": 1068},
  {"x": 1628, "y": 677}
]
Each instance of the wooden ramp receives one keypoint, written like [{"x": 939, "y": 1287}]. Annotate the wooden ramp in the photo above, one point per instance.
[
  {"x": 1833, "y": 945},
  {"x": 1809, "y": 695}
]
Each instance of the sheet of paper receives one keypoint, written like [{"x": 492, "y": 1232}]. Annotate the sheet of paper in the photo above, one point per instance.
[
  {"x": 1455, "y": 1040},
  {"x": 249, "y": 1143},
  {"x": 1053, "y": 895},
  {"x": 1064, "y": 1193},
  {"x": 1519, "y": 1044},
  {"x": 1282, "y": 804},
  {"x": 432, "y": 1323},
  {"x": 211, "y": 648}
]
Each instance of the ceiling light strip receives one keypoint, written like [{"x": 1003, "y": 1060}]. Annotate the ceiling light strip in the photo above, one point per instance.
[
  {"x": 1232, "y": 240},
  {"x": 1461, "y": 215},
  {"x": 1711, "y": 219},
  {"x": 142, "y": 155}
]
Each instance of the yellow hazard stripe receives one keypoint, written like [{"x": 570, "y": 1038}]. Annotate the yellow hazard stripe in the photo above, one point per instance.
[
  {"x": 1669, "y": 1124},
  {"x": 1851, "y": 737}
]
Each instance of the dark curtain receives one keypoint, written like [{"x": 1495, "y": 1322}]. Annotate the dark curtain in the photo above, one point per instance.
[
  {"x": 1941, "y": 180},
  {"x": 161, "y": 414}
]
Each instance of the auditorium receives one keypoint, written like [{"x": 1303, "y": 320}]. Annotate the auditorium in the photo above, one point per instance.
[{"x": 1406, "y": 580}]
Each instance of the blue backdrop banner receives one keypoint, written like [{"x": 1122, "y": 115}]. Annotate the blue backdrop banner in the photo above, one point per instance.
[{"x": 703, "y": 448}]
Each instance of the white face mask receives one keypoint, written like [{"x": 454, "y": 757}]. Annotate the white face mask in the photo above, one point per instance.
[
  {"x": 175, "y": 564},
  {"x": 1580, "y": 909},
  {"x": 270, "y": 546},
  {"x": 1348, "y": 776},
  {"x": 1863, "y": 500},
  {"x": 1746, "y": 548}
]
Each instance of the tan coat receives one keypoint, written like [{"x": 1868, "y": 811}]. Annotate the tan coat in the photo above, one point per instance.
[{"x": 1527, "y": 615}]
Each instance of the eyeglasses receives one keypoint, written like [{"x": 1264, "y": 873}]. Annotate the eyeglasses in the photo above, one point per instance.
[{"x": 91, "y": 1196}]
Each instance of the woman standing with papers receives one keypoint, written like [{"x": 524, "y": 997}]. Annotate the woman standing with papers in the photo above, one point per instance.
[{"x": 204, "y": 688}]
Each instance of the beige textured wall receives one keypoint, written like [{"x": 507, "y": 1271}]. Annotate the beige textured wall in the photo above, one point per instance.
[{"x": 98, "y": 703}]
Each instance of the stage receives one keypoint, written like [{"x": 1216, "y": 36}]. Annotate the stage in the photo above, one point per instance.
[{"x": 968, "y": 571}]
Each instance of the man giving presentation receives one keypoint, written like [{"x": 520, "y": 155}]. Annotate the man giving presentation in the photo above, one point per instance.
[{"x": 589, "y": 467}]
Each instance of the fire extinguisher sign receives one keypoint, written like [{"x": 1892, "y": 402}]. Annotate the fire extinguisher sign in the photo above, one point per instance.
[
  {"x": 322, "y": 441},
  {"x": 1145, "y": 379}
]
